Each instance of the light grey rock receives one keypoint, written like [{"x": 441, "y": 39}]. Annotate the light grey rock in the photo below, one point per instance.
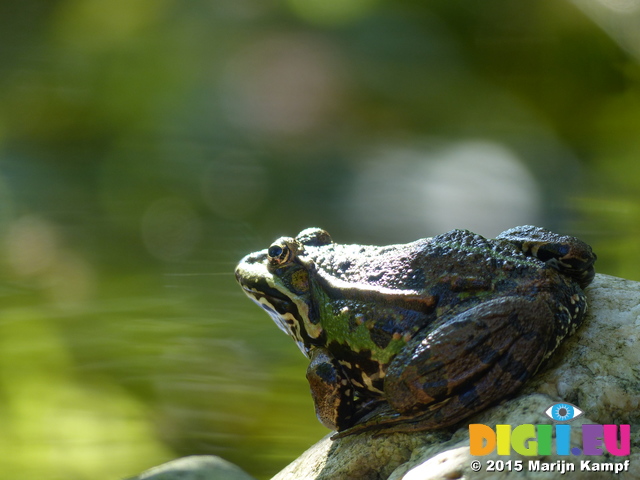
[
  {"x": 358, "y": 456},
  {"x": 598, "y": 369},
  {"x": 195, "y": 467}
]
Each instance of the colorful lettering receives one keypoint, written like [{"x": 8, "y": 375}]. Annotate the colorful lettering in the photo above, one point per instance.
[
  {"x": 533, "y": 440},
  {"x": 482, "y": 439},
  {"x": 611, "y": 439}
]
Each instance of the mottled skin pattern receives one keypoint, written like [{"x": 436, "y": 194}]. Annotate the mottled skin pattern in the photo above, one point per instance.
[{"x": 422, "y": 335}]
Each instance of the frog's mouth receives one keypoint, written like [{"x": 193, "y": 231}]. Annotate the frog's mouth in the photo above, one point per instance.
[
  {"x": 269, "y": 298},
  {"x": 258, "y": 289},
  {"x": 257, "y": 282},
  {"x": 282, "y": 309}
]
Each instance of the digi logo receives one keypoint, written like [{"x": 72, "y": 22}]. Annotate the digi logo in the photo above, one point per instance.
[
  {"x": 563, "y": 412},
  {"x": 533, "y": 440}
]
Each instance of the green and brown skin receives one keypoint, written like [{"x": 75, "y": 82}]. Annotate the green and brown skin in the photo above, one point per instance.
[{"x": 422, "y": 335}]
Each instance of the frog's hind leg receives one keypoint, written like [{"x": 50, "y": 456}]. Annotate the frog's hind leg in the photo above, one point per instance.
[
  {"x": 566, "y": 254},
  {"x": 469, "y": 363}
]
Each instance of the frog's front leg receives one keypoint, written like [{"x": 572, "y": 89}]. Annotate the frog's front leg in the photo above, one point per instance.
[
  {"x": 331, "y": 390},
  {"x": 469, "y": 363}
]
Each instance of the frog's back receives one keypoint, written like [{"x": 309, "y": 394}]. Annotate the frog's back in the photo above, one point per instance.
[
  {"x": 522, "y": 252},
  {"x": 474, "y": 269},
  {"x": 463, "y": 246},
  {"x": 470, "y": 262}
]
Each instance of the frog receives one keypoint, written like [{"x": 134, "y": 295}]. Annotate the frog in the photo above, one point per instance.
[{"x": 422, "y": 335}]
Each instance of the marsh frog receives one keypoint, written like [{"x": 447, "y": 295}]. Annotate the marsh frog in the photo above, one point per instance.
[{"x": 421, "y": 335}]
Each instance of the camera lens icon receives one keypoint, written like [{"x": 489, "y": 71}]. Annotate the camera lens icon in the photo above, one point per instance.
[{"x": 563, "y": 412}]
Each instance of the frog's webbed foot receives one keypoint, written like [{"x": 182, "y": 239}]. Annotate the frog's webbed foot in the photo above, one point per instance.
[
  {"x": 384, "y": 419},
  {"x": 567, "y": 254},
  {"x": 469, "y": 363}
]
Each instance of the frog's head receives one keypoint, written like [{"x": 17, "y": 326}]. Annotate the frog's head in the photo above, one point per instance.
[{"x": 278, "y": 280}]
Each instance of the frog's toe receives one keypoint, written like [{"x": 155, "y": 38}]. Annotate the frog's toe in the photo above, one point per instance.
[
  {"x": 471, "y": 361},
  {"x": 566, "y": 254}
]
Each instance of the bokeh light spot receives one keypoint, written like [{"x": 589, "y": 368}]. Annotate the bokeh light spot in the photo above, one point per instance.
[
  {"x": 31, "y": 245},
  {"x": 478, "y": 185},
  {"x": 284, "y": 85}
]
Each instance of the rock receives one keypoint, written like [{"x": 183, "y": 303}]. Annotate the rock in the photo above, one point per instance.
[
  {"x": 598, "y": 369},
  {"x": 195, "y": 467},
  {"x": 358, "y": 456}
]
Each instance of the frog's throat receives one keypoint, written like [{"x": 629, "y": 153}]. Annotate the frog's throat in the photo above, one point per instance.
[
  {"x": 287, "y": 322},
  {"x": 295, "y": 322}
]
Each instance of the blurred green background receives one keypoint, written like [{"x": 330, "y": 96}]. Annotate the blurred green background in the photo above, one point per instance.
[{"x": 147, "y": 145}]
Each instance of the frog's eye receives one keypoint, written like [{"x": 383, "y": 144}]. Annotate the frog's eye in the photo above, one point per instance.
[
  {"x": 275, "y": 251},
  {"x": 315, "y": 237},
  {"x": 281, "y": 252},
  {"x": 563, "y": 412}
]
